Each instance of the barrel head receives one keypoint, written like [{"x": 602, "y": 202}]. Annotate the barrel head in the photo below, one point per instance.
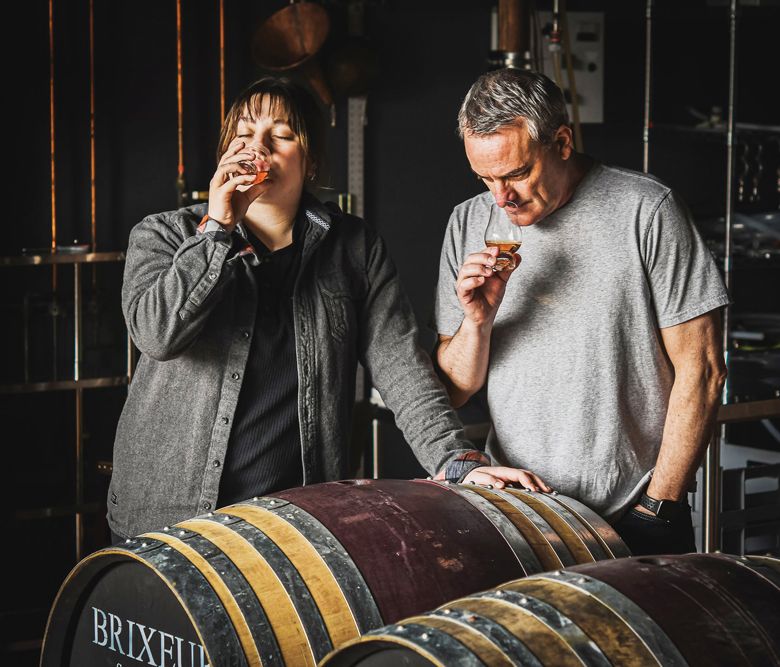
[{"x": 114, "y": 609}]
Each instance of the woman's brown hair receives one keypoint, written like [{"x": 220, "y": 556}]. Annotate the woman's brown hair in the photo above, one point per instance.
[{"x": 289, "y": 99}]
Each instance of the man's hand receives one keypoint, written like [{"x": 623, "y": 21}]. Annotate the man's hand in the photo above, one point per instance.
[
  {"x": 480, "y": 290},
  {"x": 500, "y": 476},
  {"x": 464, "y": 357}
]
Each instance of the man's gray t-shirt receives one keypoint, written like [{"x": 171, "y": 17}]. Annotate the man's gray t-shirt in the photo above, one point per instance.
[{"x": 578, "y": 381}]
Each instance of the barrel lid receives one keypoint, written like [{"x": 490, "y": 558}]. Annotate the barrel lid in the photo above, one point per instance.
[{"x": 116, "y": 607}]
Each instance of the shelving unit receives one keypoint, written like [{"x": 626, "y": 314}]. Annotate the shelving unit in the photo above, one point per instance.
[
  {"x": 724, "y": 135},
  {"x": 77, "y": 383},
  {"x": 52, "y": 494}
]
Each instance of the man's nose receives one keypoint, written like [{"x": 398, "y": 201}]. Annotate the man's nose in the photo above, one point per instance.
[{"x": 503, "y": 195}]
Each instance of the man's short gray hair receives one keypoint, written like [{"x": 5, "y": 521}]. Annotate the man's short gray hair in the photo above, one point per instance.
[{"x": 500, "y": 97}]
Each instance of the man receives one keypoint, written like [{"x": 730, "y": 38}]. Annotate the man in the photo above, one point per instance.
[{"x": 602, "y": 356}]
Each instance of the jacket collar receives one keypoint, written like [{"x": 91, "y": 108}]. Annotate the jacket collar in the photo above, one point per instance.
[
  {"x": 316, "y": 212},
  {"x": 318, "y": 216}
]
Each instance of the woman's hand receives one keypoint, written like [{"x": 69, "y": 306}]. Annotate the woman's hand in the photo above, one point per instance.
[{"x": 228, "y": 204}]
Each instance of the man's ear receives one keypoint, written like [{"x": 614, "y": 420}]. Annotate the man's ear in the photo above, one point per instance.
[{"x": 564, "y": 142}]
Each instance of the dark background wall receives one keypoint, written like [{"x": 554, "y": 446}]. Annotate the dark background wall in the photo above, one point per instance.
[{"x": 428, "y": 54}]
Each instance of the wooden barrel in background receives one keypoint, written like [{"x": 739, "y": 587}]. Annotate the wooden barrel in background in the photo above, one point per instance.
[
  {"x": 660, "y": 611},
  {"x": 286, "y": 579}
]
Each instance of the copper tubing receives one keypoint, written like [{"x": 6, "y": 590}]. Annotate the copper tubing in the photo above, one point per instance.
[
  {"x": 52, "y": 156},
  {"x": 221, "y": 60},
  {"x": 92, "y": 170},
  {"x": 513, "y": 24},
  {"x": 51, "y": 132},
  {"x": 648, "y": 72},
  {"x": 555, "y": 45},
  {"x": 575, "y": 105},
  {"x": 179, "y": 97}
]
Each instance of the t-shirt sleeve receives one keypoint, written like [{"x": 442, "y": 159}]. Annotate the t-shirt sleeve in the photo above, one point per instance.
[
  {"x": 683, "y": 277},
  {"x": 448, "y": 313}
]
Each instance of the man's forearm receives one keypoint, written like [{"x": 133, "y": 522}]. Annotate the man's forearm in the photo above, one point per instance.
[
  {"x": 463, "y": 360},
  {"x": 690, "y": 420}
]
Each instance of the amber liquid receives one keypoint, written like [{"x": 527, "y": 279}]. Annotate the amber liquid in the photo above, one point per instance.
[
  {"x": 506, "y": 257},
  {"x": 251, "y": 167}
]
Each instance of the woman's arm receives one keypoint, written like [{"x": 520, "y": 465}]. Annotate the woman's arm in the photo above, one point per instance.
[{"x": 171, "y": 284}]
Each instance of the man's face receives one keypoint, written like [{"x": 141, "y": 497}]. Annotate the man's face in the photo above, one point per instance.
[{"x": 518, "y": 169}]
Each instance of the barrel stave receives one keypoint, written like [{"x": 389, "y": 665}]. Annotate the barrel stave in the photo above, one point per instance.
[
  {"x": 612, "y": 633},
  {"x": 578, "y": 541},
  {"x": 547, "y": 544},
  {"x": 429, "y": 538},
  {"x": 544, "y": 642},
  {"x": 509, "y": 644}
]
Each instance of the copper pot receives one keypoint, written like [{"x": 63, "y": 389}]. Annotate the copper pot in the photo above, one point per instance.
[{"x": 290, "y": 39}]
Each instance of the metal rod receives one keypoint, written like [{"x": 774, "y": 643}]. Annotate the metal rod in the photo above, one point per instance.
[
  {"x": 77, "y": 322},
  {"x": 62, "y": 258},
  {"x": 26, "y": 325},
  {"x": 648, "y": 72},
  {"x": 375, "y": 448},
  {"x": 712, "y": 473},
  {"x": 79, "y": 519},
  {"x": 62, "y": 385},
  {"x": 58, "y": 511},
  {"x": 55, "y": 313},
  {"x": 750, "y": 411}
]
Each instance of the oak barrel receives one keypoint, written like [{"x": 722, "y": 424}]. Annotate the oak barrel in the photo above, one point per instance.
[
  {"x": 286, "y": 579},
  {"x": 660, "y": 611}
]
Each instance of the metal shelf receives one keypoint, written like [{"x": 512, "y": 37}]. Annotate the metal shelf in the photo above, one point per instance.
[
  {"x": 79, "y": 508},
  {"x": 58, "y": 511},
  {"x": 62, "y": 258},
  {"x": 737, "y": 412},
  {"x": 63, "y": 385},
  {"x": 719, "y": 132}
]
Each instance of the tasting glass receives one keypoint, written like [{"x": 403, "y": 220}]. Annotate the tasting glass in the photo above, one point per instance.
[{"x": 503, "y": 234}]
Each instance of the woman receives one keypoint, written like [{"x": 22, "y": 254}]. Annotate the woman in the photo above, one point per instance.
[{"x": 251, "y": 314}]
